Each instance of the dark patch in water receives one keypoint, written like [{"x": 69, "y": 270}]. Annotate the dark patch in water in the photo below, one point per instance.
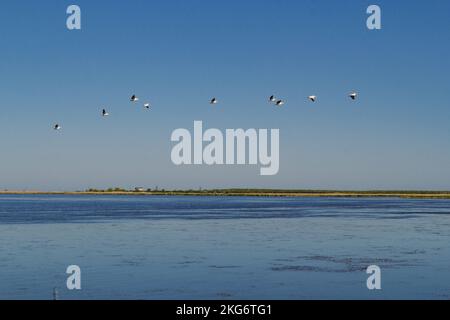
[
  {"x": 414, "y": 252},
  {"x": 346, "y": 264},
  {"x": 224, "y": 294},
  {"x": 189, "y": 262}
]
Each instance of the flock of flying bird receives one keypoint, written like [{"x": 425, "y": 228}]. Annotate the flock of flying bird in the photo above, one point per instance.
[{"x": 277, "y": 102}]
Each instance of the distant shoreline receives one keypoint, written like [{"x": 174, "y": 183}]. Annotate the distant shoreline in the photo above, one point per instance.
[{"x": 251, "y": 193}]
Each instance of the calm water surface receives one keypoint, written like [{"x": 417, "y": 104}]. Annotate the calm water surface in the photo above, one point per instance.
[{"x": 132, "y": 247}]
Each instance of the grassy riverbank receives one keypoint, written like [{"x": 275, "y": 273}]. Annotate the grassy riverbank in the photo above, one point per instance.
[{"x": 252, "y": 193}]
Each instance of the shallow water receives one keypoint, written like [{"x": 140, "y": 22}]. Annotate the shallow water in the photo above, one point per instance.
[{"x": 133, "y": 247}]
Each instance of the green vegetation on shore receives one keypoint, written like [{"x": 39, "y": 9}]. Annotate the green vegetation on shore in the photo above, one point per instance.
[{"x": 253, "y": 193}]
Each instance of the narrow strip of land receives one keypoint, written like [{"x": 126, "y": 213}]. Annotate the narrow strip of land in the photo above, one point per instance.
[{"x": 247, "y": 193}]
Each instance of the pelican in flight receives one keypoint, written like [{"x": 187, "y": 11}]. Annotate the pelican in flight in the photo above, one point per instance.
[
  {"x": 147, "y": 106},
  {"x": 105, "y": 113},
  {"x": 353, "y": 95},
  {"x": 279, "y": 103},
  {"x": 272, "y": 99},
  {"x": 134, "y": 98},
  {"x": 57, "y": 127},
  {"x": 312, "y": 98},
  {"x": 213, "y": 101}
]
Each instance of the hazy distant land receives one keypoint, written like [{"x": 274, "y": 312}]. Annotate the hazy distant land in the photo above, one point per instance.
[{"x": 247, "y": 193}]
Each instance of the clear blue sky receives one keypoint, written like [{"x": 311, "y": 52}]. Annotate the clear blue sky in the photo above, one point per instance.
[{"x": 178, "y": 54}]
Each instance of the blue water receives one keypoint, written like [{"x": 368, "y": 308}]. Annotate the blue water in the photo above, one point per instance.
[{"x": 138, "y": 247}]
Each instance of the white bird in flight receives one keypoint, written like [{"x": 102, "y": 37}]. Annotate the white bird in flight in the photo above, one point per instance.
[{"x": 278, "y": 103}]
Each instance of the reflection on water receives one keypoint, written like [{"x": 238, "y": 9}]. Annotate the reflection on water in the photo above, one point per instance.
[{"x": 137, "y": 247}]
